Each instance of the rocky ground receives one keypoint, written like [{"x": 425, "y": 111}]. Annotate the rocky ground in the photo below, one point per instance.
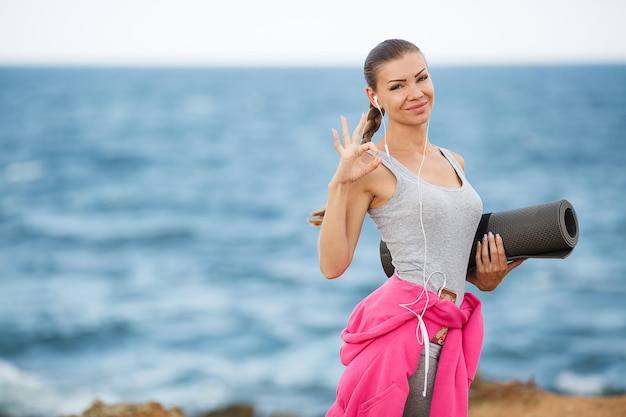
[
  {"x": 488, "y": 399},
  {"x": 524, "y": 399}
]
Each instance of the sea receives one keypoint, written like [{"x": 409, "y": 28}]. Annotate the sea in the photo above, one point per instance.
[{"x": 154, "y": 243}]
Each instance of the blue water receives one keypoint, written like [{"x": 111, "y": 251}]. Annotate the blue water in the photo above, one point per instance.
[{"x": 154, "y": 243}]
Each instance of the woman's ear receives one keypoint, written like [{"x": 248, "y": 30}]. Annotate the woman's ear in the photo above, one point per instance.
[{"x": 371, "y": 95}]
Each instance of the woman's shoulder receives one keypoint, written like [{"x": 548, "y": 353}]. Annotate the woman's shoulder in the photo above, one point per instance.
[{"x": 456, "y": 156}]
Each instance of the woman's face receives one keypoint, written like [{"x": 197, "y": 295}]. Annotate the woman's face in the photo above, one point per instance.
[{"x": 405, "y": 89}]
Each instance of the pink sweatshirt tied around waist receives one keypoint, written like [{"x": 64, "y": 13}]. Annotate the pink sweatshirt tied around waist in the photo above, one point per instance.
[{"x": 382, "y": 350}]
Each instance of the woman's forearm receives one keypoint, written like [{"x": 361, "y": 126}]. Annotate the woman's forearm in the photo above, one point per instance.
[{"x": 334, "y": 246}]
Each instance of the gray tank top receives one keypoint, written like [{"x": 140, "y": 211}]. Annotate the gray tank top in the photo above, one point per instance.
[{"x": 449, "y": 216}]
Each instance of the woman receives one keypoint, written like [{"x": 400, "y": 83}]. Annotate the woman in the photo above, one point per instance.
[{"x": 420, "y": 323}]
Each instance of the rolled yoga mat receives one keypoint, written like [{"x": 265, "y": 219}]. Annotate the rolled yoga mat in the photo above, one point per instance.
[{"x": 547, "y": 230}]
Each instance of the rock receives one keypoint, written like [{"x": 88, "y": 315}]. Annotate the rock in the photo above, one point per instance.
[
  {"x": 150, "y": 409},
  {"x": 235, "y": 410}
]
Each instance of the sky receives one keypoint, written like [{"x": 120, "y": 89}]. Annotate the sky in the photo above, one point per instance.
[{"x": 296, "y": 33}]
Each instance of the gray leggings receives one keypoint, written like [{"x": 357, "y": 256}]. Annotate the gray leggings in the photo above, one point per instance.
[{"x": 416, "y": 404}]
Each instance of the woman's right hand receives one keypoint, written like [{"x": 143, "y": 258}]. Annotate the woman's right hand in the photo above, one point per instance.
[{"x": 352, "y": 164}]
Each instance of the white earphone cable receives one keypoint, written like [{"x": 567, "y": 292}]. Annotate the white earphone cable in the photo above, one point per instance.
[{"x": 421, "y": 332}]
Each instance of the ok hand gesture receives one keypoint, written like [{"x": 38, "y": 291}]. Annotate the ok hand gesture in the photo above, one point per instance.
[{"x": 353, "y": 164}]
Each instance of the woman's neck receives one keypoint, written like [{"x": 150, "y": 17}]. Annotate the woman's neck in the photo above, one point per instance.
[{"x": 406, "y": 138}]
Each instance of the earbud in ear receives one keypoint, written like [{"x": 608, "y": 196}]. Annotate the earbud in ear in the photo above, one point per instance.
[{"x": 376, "y": 102}]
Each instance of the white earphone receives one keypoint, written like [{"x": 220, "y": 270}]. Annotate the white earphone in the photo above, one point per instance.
[{"x": 375, "y": 97}]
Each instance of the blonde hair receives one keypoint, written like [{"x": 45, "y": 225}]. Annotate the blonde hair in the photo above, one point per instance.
[{"x": 384, "y": 52}]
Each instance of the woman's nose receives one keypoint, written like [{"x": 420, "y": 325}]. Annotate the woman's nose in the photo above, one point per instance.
[{"x": 415, "y": 92}]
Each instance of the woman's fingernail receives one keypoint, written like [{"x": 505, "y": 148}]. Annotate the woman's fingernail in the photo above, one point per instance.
[{"x": 485, "y": 236}]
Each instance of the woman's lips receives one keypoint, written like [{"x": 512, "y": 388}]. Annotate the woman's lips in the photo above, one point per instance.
[{"x": 418, "y": 107}]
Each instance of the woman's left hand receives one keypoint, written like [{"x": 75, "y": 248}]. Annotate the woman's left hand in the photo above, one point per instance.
[{"x": 491, "y": 263}]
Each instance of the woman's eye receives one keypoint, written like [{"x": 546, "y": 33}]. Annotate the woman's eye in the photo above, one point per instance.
[
  {"x": 395, "y": 87},
  {"x": 423, "y": 78}
]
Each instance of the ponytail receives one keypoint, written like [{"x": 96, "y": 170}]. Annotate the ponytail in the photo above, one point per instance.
[
  {"x": 317, "y": 218},
  {"x": 372, "y": 124}
]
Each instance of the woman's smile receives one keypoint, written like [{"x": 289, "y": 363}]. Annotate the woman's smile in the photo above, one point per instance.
[{"x": 418, "y": 107}]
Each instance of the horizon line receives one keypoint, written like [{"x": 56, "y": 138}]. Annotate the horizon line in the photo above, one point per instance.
[{"x": 292, "y": 64}]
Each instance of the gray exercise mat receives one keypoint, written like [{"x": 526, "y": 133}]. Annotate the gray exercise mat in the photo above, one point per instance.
[{"x": 547, "y": 230}]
